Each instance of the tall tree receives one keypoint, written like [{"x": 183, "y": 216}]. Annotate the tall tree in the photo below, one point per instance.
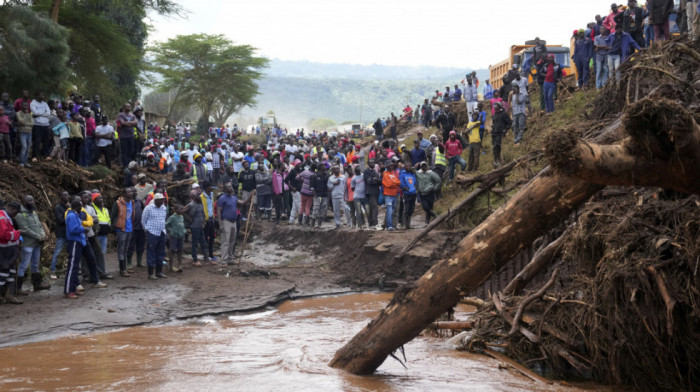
[
  {"x": 34, "y": 51},
  {"x": 213, "y": 74}
]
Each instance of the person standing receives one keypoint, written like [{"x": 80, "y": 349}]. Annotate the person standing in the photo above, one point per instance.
[
  {"x": 632, "y": 22},
  {"x": 263, "y": 188},
  {"x": 601, "y": 58},
  {"x": 357, "y": 184},
  {"x": 474, "y": 136},
  {"x": 41, "y": 134},
  {"x": 10, "y": 239},
  {"x": 75, "y": 241},
  {"x": 552, "y": 74},
  {"x": 306, "y": 193},
  {"x": 227, "y": 206},
  {"x": 197, "y": 216},
  {"x": 153, "y": 222},
  {"x": 519, "y": 106},
  {"x": 137, "y": 242},
  {"x": 32, "y": 231},
  {"x": 582, "y": 58},
  {"x": 471, "y": 95},
  {"x": 336, "y": 184},
  {"x": 391, "y": 189},
  {"x": 278, "y": 190},
  {"x": 104, "y": 135},
  {"x": 407, "y": 180},
  {"x": 207, "y": 198},
  {"x": 25, "y": 123},
  {"x": 127, "y": 121},
  {"x": 122, "y": 218},
  {"x": 372, "y": 182},
  {"x": 59, "y": 213},
  {"x": 175, "y": 226},
  {"x": 428, "y": 186},
  {"x": 5, "y": 145},
  {"x": 501, "y": 124},
  {"x": 247, "y": 180},
  {"x": 453, "y": 148},
  {"x": 659, "y": 11},
  {"x": 103, "y": 222},
  {"x": 392, "y": 126},
  {"x": 319, "y": 185},
  {"x": 295, "y": 185}
]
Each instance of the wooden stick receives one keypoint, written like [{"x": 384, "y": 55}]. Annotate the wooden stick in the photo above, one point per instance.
[
  {"x": 473, "y": 301},
  {"x": 509, "y": 319},
  {"x": 452, "y": 325},
  {"x": 520, "y": 368},
  {"x": 540, "y": 260},
  {"x": 526, "y": 301},
  {"x": 670, "y": 302},
  {"x": 250, "y": 222}
]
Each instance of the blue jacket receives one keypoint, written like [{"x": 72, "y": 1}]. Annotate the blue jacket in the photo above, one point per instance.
[
  {"x": 627, "y": 40},
  {"x": 74, "y": 228},
  {"x": 408, "y": 182},
  {"x": 418, "y": 156},
  {"x": 583, "y": 50}
]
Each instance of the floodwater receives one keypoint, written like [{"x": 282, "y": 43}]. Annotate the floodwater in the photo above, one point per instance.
[{"x": 280, "y": 349}]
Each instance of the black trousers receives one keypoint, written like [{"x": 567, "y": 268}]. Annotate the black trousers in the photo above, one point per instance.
[
  {"x": 41, "y": 141},
  {"x": 209, "y": 235},
  {"x": 126, "y": 145},
  {"x": 107, "y": 152}
]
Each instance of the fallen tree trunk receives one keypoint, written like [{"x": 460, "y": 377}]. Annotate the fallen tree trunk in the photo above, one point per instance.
[
  {"x": 540, "y": 260},
  {"x": 662, "y": 150},
  {"x": 662, "y": 131},
  {"x": 546, "y": 200}
]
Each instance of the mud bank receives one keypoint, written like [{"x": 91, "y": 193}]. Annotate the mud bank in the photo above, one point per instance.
[{"x": 282, "y": 262}]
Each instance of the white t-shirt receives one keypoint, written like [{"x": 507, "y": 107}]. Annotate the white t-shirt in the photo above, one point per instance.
[
  {"x": 237, "y": 166},
  {"x": 104, "y": 130}
]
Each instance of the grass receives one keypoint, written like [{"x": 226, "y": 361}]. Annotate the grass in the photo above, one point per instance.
[
  {"x": 100, "y": 172},
  {"x": 539, "y": 126}
]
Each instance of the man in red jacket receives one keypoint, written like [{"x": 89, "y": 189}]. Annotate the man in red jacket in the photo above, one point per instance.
[
  {"x": 453, "y": 150},
  {"x": 9, "y": 250}
]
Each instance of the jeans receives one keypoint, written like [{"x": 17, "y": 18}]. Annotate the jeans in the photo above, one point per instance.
[
  {"x": 123, "y": 240},
  {"x": 519, "y": 125},
  {"x": 614, "y": 66},
  {"x": 30, "y": 255},
  {"x": 601, "y": 74},
  {"x": 198, "y": 239},
  {"x": 389, "y": 203},
  {"x": 60, "y": 244},
  {"x": 359, "y": 215},
  {"x": 648, "y": 35},
  {"x": 338, "y": 205},
  {"x": 453, "y": 161},
  {"x": 549, "y": 88},
  {"x": 296, "y": 206},
  {"x": 25, "y": 140},
  {"x": 99, "y": 256},
  {"x": 156, "y": 250},
  {"x": 102, "y": 240},
  {"x": 87, "y": 152}
]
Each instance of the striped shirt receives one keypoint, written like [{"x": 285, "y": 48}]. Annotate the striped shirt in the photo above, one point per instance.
[{"x": 153, "y": 219}]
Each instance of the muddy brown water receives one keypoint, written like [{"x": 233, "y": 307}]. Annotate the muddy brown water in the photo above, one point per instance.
[{"x": 287, "y": 348}]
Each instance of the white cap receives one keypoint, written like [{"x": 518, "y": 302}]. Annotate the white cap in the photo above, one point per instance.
[
  {"x": 158, "y": 196},
  {"x": 195, "y": 186}
]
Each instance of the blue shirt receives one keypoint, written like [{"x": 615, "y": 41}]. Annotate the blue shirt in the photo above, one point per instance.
[
  {"x": 408, "y": 182},
  {"x": 482, "y": 119},
  {"x": 229, "y": 207},
  {"x": 488, "y": 92},
  {"x": 74, "y": 227},
  {"x": 128, "y": 228},
  {"x": 210, "y": 204},
  {"x": 625, "y": 41},
  {"x": 249, "y": 159},
  {"x": 418, "y": 156}
]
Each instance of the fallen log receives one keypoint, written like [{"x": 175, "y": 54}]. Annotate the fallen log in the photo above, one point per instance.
[
  {"x": 662, "y": 150},
  {"x": 541, "y": 259},
  {"x": 542, "y": 203},
  {"x": 452, "y": 325}
]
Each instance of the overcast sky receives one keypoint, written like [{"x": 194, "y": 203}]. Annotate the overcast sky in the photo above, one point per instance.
[{"x": 454, "y": 33}]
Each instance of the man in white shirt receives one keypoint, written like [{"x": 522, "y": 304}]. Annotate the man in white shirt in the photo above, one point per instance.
[
  {"x": 237, "y": 159},
  {"x": 41, "y": 134},
  {"x": 104, "y": 133}
]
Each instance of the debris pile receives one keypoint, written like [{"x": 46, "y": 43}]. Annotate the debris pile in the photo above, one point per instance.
[{"x": 621, "y": 304}]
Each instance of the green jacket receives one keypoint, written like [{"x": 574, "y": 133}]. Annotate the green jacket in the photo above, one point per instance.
[
  {"x": 427, "y": 182},
  {"x": 29, "y": 225},
  {"x": 175, "y": 225}
]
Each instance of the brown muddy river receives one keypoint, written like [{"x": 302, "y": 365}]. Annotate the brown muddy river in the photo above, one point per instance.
[{"x": 281, "y": 349}]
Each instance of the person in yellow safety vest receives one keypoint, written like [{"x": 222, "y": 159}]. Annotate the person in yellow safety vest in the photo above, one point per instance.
[
  {"x": 439, "y": 165},
  {"x": 199, "y": 169},
  {"x": 104, "y": 221}
]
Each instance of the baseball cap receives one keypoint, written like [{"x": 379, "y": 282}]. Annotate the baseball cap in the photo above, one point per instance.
[
  {"x": 158, "y": 196},
  {"x": 141, "y": 176}
]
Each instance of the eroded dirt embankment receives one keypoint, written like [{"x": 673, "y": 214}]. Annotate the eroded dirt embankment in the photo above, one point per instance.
[{"x": 283, "y": 262}]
